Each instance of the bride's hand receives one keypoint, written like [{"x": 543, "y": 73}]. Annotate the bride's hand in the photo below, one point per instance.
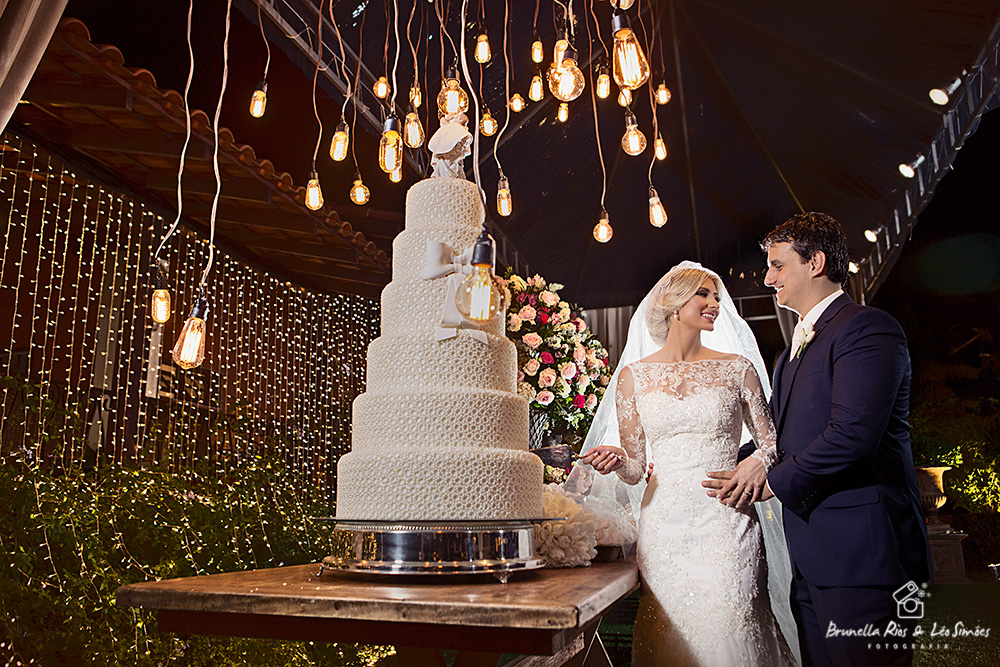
[
  {"x": 741, "y": 487},
  {"x": 605, "y": 458}
]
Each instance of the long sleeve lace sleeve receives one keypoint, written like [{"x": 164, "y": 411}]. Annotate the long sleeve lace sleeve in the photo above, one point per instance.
[
  {"x": 757, "y": 417},
  {"x": 630, "y": 432}
]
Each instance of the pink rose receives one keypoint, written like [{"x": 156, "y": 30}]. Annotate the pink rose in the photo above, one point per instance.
[
  {"x": 532, "y": 340},
  {"x": 545, "y": 397},
  {"x": 547, "y": 378},
  {"x": 513, "y": 322},
  {"x": 580, "y": 353},
  {"x": 579, "y": 401},
  {"x": 527, "y": 313},
  {"x": 549, "y": 298},
  {"x": 520, "y": 376},
  {"x": 591, "y": 402},
  {"x": 583, "y": 381},
  {"x": 546, "y": 358},
  {"x": 568, "y": 370},
  {"x": 604, "y": 380},
  {"x": 532, "y": 366}
]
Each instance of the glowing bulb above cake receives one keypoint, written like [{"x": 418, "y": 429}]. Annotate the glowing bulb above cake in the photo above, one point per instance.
[
  {"x": 657, "y": 213},
  {"x": 537, "y": 50},
  {"x": 629, "y": 64},
  {"x": 603, "y": 84},
  {"x": 413, "y": 130},
  {"x": 634, "y": 141},
  {"x": 662, "y": 94},
  {"x": 505, "y": 204},
  {"x": 359, "y": 191},
  {"x": 566, "y": 81},
  {"x": 314, "y": 193},
  {"x": 516, "y": 103},
  {"x": 478, "y": 297},
  {"x": 536, "y": 91},
  {"x": 416, "y": 96},
  {"x": 482, "y": 54},
  {"x": 488, "y": 124},
  {"x": 189, "y": 350},
  {"x": 603, "y": 231},
  {"x": 340, "y": 143},
  {"x": 390, "y": 146},
  {"x": 452, "y": 99},
  {"x": 258, "y": 101},
  {"x": 381, "y": 88},
  {"x": 160, "y": 305}
]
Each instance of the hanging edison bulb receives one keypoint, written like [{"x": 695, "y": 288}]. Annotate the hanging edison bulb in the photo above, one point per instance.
[
  {"x": 340, "y": 142},
  {"x": 390, "y": 146},
  {"x": 478, "y": 298},
  {"x": 416, "y": 96},
  {"x": 563, "y": 114},
  {"x": 566, "y": 81},
  {"x": 657, "y": 214},
  {"x": 662, "y": 94},
  {"x": 630, "y": 67},
  {"x": 189, "y": 350},
  {"x": 482, "y": 53},
  {"x": 660, "y": 148},
  {"x": 504, "y": 203},
  {"x": 258, "y": 100},
  {"x": 160, "y": 301},
  {"x": 536, "y": 91},
  {"x": 488, "y": 125},
  {"x": 537, "y": 50},
  {"x": 634, "y": 141},
  {"x": 413, "y": 130},
  {"x": 517, "y": 103},
  {"x": 314, "y": 193},
  {"x": 452, "y": 99},
  {"x": 396, "y": 175},
  {"x": 622, "y": 4},
  {"x": 559, "y": 51},
  {"x": 359, "y": 191},
  {"x": 381, "y": 88},
  {"x": 624, "y": 97},
  {"x": 603, "y": 231},
  {"x": 603, "y": 83}
]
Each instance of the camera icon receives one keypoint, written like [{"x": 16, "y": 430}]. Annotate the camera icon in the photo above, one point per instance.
[{"x": 908, "y": 602}]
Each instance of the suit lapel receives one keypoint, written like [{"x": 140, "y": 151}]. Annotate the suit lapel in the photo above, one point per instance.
[{"x": 788, "y": 369}]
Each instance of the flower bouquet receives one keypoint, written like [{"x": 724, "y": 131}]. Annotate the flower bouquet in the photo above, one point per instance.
[{"x": 563, "y": 369}]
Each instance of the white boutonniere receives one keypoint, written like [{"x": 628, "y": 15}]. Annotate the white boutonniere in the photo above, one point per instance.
[{"x": 807, "y": 335}]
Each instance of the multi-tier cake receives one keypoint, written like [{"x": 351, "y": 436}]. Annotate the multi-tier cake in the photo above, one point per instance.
[{"x": 440, "y": 433}]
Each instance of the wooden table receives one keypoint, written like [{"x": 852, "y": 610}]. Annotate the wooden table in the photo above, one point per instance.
[{"x": 548, "y": 616}]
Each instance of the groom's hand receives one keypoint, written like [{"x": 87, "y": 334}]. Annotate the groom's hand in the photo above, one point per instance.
[{"x": 740, "y": 487}]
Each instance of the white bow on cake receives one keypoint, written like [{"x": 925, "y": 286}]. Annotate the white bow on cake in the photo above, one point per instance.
[{"x": 442, "y": 260}]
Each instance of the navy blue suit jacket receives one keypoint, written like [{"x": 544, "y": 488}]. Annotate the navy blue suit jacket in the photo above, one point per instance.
[{"x": 846, "y": 478}]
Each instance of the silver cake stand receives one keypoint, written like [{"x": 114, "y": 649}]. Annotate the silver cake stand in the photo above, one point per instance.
[{"x": 497, "y": 547}]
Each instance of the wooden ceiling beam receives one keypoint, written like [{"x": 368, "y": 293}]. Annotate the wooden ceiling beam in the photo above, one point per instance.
[{"x": 79, "y": 95}]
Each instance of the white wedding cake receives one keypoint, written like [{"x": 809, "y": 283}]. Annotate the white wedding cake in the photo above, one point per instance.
[{"x": 440, "y": 433}]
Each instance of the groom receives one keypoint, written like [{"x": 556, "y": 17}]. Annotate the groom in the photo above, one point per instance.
[{"x": 853, "y": 522}]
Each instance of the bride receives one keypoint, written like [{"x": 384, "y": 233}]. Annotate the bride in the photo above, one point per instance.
[{"x": 681, "y": 407}]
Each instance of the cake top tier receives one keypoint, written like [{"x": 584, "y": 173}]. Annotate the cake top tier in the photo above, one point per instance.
[{"x": 444, "y": 202}]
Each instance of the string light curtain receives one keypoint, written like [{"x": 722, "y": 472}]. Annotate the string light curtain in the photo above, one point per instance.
[{"x": 75, "y": 318}]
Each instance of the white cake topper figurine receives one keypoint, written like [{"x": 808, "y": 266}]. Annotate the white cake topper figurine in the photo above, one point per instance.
[{"x": 449, "y": 146}]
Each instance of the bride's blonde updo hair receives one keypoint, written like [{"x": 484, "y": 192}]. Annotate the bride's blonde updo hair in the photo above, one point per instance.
[{"x": 676, "y": 288}]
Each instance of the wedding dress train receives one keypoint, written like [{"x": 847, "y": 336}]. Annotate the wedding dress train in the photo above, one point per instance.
[{"x": 704, "y": 597}]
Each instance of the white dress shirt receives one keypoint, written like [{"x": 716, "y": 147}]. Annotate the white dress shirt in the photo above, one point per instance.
[{"x": 806, "y": 323}]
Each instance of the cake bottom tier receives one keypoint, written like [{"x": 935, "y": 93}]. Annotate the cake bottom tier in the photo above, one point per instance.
[{"x": 445, "y": 483}]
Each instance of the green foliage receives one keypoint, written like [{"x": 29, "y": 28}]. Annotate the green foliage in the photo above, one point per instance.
[
  {"x": 955, "y": 421},
  {"x": 70, "y": 536}
]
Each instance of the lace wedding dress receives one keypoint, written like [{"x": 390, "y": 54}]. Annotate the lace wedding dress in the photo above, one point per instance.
[{"x": 704, "y": 594}]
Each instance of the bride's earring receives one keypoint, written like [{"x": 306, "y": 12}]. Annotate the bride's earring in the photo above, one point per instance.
[{"x": 677, "y": 314}]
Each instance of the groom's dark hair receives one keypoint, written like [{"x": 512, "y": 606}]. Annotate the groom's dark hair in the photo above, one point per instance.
[{"x": 810, "y": 233}]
